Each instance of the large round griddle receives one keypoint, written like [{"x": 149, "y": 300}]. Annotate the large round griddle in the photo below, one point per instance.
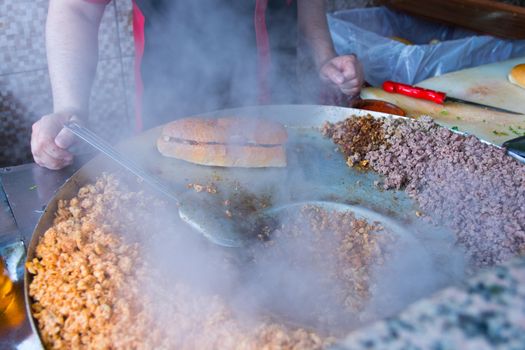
[{"x": 315, "y": 171}]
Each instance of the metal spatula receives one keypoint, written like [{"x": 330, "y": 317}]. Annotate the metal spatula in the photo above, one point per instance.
[
  {"x": 199, "y": 214},
  {"x": 207, "y": 217}
]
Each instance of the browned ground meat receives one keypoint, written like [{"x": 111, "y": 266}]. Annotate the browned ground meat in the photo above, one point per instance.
[
  {"x": 458, "y": 180},
  {"x": 93, "y": 286},
  {"x": 325, "y": 260},
  {"x": 356, "y": 137}
]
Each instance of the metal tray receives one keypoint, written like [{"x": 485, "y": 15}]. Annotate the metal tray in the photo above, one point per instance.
[{"x": 316, "y": 171}]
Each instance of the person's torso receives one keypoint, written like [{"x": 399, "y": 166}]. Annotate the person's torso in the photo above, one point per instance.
[{"x": 202, "y": 55}]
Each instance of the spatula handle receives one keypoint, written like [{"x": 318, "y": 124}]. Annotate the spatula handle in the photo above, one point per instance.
[{"x": 95, "y": 141}]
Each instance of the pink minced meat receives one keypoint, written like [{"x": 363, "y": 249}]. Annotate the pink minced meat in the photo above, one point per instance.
[{"x": 459, "y": 181}]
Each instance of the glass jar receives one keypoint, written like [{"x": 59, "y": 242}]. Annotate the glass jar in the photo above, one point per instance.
[{"x": 6, "y": 288}]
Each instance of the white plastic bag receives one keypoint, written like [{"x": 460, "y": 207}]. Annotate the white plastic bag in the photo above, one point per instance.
[{"x": 367, "y": 32}]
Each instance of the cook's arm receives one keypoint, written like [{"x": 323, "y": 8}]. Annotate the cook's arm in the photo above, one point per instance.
[
  {"x": 72, "y": 54},
  {"x": 313, "y": 27},
  {"x": 344, "y": 71}
]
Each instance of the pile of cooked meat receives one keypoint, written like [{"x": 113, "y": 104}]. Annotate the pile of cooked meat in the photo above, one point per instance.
[
  {"x": 325, "y": 260},
  {"x": 458, "y": 181},
  {"x": 95, "y": 285}
]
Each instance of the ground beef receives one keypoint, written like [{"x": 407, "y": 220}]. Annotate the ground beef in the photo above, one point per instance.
[
  {"x": 356, "y": 137},
  {"x": 94, "y": 286},
  {"x": 327, "y": 258},
  {"x": 91, "y": 287},
  {"x": 458, "y": 181}
]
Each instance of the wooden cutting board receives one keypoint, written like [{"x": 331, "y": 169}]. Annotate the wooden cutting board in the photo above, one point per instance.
[
  {"x": 494, "y": 127},
  {"x": 486, "y": 84}
]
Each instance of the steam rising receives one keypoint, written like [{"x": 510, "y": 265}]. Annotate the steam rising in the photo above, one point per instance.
[
  {"x": 256, "y": 285},
  {"x": 285, "y": 283},
  {"x": 197, "y": 61},
  {"x": 234, "y": 292}
]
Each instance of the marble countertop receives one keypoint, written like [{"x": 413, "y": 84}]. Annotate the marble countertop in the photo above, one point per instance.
[{"x": 486, "y": 311}]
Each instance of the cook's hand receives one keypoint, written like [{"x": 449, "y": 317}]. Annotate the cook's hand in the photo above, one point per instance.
[
  {"x": 345, "y": 72},
  {"x": 50, "y": 141}
]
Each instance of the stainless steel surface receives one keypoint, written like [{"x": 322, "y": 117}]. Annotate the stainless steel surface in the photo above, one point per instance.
[
  {"x": 197, "y": 213},
  {"x": 359, "y": 211},
  {"x": 24, "y": 191},
  {"x": 28, "y": 188},
  {"x": 8, "y": 229},
  {"x": 403, "y": 235},
  {"x": 313, "y": 165}
]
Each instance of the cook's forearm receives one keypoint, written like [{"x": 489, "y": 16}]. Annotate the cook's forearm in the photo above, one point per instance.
[
  {"x": 313, "y": 28},
  {"x": 72, "y": 52}
]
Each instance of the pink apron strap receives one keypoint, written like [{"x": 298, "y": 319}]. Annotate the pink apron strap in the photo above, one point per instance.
[{"x": 139, "y": 38}]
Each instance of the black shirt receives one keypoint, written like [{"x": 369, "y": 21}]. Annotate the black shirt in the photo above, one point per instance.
[{"x": 201, "y": 55}]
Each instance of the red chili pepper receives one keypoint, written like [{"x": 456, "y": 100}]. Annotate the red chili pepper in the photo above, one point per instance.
[{"x": 413, "y": 91}]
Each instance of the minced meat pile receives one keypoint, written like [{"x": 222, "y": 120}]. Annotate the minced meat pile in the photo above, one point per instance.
[
  {"x": 324, "y": 259},
  {"x": 458, "y": 181},
  {"x": 357, "y": 137},
  {"x": 93, "y": 287}
]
